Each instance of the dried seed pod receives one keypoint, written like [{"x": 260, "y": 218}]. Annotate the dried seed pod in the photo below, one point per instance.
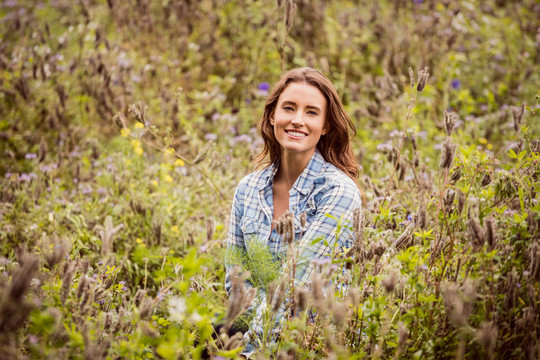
[
  {"x": 476, "y": 234},
  {"x": 517, "y": 113},
  {"x": 279, "y": 296},
  {"x": 490, "y": 232},
  {"x": 486, "y": 179},
  {"x": 423, "y": 76},
  {"x": 403, "y": 337},
  {"x": 390, "y": 281},
  {"x": 302, "y": 299},
  {"x": 448, "y": 200},
  {"x": 210, "y": 228},
  {"x": 66, "y": 280},
  {"x": 146, "y": 308},
  {"x": 461, "y": 201},
  {"x": 291, "y": 11},
  {"x": 411, "y": 76},
  {"x": 447, "y": 154},
  {"x": 449, "y": 122},
  {"x": 421, "y": 216},
  {"x": 303, "y": 219},
  {"x": 456, "y": 175}
]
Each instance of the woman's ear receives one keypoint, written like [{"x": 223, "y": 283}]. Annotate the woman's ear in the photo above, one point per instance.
[
  {"x": 272, "y": 120},
  {"x": 324, "y": 130}
]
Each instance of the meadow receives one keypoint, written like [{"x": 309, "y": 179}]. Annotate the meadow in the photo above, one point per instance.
[{"x": 125, "y": 126}]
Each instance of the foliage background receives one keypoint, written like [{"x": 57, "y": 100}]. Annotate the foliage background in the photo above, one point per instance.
[{"x": 112, "y": 240}]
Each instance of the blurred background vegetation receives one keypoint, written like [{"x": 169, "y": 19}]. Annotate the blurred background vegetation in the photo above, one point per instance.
[{"x": 125, "y": 127}]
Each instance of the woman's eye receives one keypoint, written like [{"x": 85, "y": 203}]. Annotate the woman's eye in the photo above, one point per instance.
[
  {"x": 288, "y": 108},
  {"x": 312, "y": 113}
]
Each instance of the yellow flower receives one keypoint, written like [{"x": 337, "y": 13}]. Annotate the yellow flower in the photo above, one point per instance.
[
  {"x": 179, "y": 162},
  {"x": 174, "y": 229},
  {"x": 128, "y": 162},
  {"x": 489, "y": 146},
  {"x": 139, "y": 150},
  {"x": 125, "y": 132},
  {"x": 168, "y": 178},
  {"x": 171, "y": 251},
  {"x": 482, "y": 141},
  {"x": 139, "y": 126},
  {"x": 155, "y": 183},
  {"x": 169, "y": 151},
  {"x": 139, "y": 240}
]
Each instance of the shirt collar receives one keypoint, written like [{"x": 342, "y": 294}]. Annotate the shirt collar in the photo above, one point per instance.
[{"x": 306, "y": 178}]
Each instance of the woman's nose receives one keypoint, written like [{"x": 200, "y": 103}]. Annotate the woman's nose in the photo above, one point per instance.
[{"x": 298, "y": 119}]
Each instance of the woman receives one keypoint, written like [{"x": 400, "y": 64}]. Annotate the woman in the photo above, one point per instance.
[{"x": 311, "y": 170}]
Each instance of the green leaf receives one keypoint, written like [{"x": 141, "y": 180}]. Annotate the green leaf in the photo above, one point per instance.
[{"x": 512, "y": 154}]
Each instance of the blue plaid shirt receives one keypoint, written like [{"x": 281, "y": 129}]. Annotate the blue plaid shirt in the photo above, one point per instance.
[{"x": 321, "y": 189}]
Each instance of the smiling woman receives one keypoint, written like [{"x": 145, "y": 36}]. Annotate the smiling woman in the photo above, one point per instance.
[{"x": 311, "y": 173}]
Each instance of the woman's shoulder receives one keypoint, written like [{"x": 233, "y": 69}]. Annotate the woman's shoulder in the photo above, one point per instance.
[
  {"x": 337, "y": 181},
  {"x": 254, "y": 180}
]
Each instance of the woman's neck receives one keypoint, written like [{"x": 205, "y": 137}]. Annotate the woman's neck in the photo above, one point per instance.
[{"x": 291, "y": 166}]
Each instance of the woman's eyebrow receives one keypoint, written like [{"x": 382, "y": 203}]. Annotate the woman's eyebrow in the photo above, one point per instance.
[{"x": 288, "y": 102}]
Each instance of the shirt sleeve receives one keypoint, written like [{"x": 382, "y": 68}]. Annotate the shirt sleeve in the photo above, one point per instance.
[{"x": 235, "y": 239}]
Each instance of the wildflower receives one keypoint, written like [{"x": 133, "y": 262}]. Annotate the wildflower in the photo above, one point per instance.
[
  {"x": 139, "y": 125},
  {"x": 69, "y": 269},
  {"x": 517, "y": 113},
  {"x": 30, "y": 156},
  {"x": 461, "y": 201},
  {"x": 263, "y": 88},
  {"x": 447, "y": 154},
  {"x": 179, "y": 162},
  {"x": 210, "y": 137},
  {"x": 423, "y": 76},
  {"x": 455, "y": 84}
]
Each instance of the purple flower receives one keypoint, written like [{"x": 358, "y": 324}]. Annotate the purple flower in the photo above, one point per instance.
[
  {"x": 455, "y": 84},
  {"x": 27, "y": 177},
  {"x": 210, "y": 137},
  {"x": 409, "y": 217},
  {"x": 418, "y": 1},
  {"x": 264, "y": 86},
  {"x": 263, "y": 89},
  {"x": 244, "y": 138},
  {"x": 216, "y": 116},
  {"x": 30, "y": 156}
]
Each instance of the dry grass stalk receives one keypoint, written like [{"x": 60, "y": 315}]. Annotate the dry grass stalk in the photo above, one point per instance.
[
  {"x": 487, "y": 336},
  {"x": 240, "y": 296},
  {"x": 490, "y": 232}
]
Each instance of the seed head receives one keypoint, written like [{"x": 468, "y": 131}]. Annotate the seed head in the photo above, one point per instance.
[
  {"x": 302, "y": 299},
  {"x": 303, "y": 219},
  {"x": 490, "y": 232},
  {"x": 449, "y": 122},
  {"x": 390, "y": 281},
  {"x": 456, "y": 175},
  {"x": 411, "y": 76},
  {"x": 209, "y": 229},
  {"x": 146, "y": 308},
  {"x": 476, "y": 234},
  {"x": 291, "y": 11},
  {"x": 448, "y": 200},
  {"x": 517, "y": 113},
  {"x": 240, "y": 296},
  {"x": 461, "y": 200},
  {"x": 403, "y": 337},
  {"x": 447, "y": 154},
  {"x": 421, "y": 216},
  {"x": 279, "y": 295},
  {"x": 487, "y": 336},
  {"x": 486, "y": 179},
  {"x": 67, "y": 279},
  {"x": 423, "y": 76}
]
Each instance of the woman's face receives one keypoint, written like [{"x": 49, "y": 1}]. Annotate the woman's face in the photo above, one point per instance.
[{"x": 299, "y": 118}]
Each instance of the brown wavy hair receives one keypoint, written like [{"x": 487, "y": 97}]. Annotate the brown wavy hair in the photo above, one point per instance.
[{"x": 335, "y": 145}]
